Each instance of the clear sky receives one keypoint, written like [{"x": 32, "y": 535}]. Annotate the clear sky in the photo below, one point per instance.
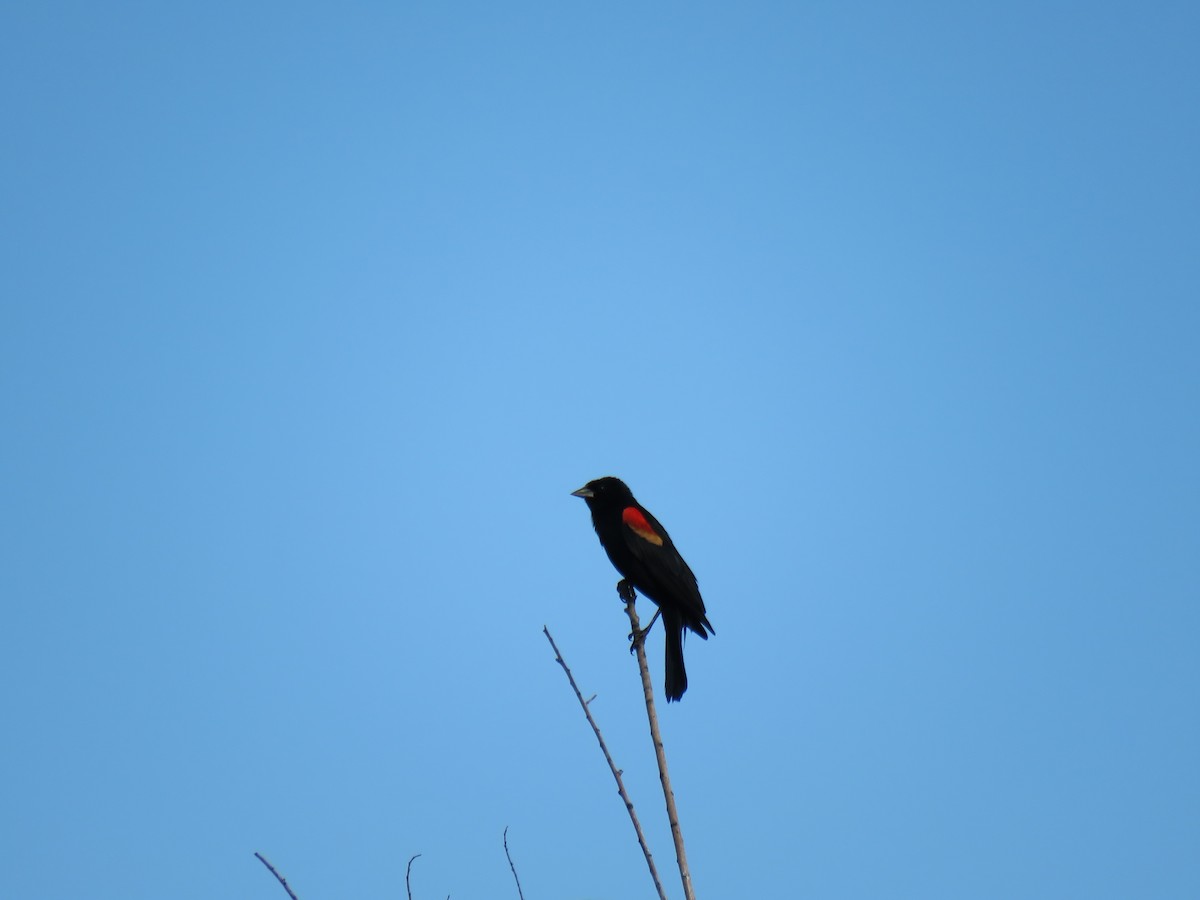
[{"x": 313, "y": 316}]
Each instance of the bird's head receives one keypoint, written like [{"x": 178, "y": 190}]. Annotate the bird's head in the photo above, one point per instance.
[{"x": 604, "y": 492}]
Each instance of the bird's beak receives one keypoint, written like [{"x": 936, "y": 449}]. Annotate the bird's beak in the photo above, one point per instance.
[{"x": 584, "y": 492}]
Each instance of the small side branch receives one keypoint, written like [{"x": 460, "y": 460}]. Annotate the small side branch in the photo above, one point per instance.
[
  {"x": 511, "y": 866},
  {"x": 585, "y": 704},
  {"x": 639, "y": 645},
  {"x": 408, "y": 875},
  {"x": 270, "y": 868}
]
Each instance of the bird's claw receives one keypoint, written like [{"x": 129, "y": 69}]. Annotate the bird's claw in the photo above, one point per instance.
[{"x": 637, "y": 636}]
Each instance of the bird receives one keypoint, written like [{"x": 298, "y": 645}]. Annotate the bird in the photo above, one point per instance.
[{"x": 642, "y": 551}]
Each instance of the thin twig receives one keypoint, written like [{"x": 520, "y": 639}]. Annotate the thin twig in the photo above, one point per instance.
[
  {"x": 637, "y": 826},
  {"x": 262, "y": 859},
  {"x": 407, "y": 874},
  {"x": 625, "y": 589},
  {"x": 511, "y": 866}
]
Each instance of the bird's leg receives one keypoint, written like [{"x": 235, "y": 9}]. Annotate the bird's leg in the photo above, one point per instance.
[
  {"x": 628, "y": 595},
  {"x": 645, "y": 631},
  {"x": 640, "y": 635}
]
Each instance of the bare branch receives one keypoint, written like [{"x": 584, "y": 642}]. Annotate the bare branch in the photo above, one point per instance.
[
  {"x": 520, "y": 893},
  {"x": 408, "y": 874},
  {"x": 639, "y": 645},
  {"x": 270, "y": 868},
  {"x": 585, "y": 704}
]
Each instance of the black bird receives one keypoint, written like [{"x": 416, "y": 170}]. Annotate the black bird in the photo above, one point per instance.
[{"x": 642, "y": 551}]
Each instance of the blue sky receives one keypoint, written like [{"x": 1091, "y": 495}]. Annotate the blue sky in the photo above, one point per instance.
[{"x": 313, "y": 316}]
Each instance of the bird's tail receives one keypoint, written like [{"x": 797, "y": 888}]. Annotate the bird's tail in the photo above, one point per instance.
[{"x": 676, "y": 675}]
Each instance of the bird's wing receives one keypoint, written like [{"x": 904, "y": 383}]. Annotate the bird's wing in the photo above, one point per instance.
[{"x": 668, "y": 578}]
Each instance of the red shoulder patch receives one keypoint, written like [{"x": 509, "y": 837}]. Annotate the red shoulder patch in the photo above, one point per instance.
[{"x": 633, "y": 517}]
